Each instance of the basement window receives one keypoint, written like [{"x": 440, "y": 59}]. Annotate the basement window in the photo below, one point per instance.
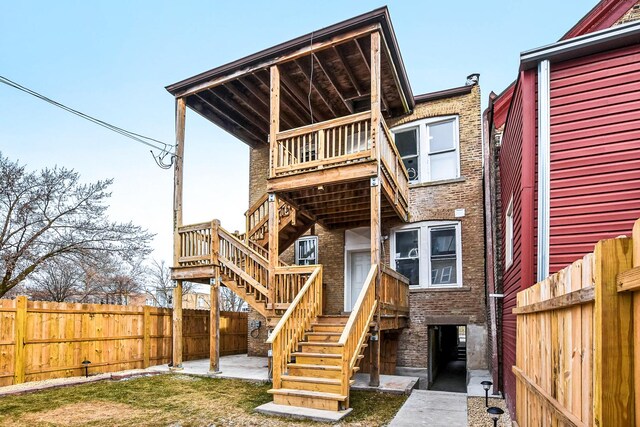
[
  {"x": 429, "y": 253},
  {"x": 306, "y": 250},
  {"x": 508, "y": 235},
  {"x": 430, "y": 149}
]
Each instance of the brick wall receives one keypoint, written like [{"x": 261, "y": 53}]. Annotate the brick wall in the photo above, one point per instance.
[
  {"x": 432, "y": 202},
  {"x": 632, "y": 14},
  {"x": 427, "y": 202}
]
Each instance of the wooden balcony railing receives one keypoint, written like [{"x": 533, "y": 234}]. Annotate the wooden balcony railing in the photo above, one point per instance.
[
  {"x": 357, "y": 327},
  {"x": 392, "y": 162},
  {"x": 291, "y": 328},
  {"x": 257, "y": 218},
  {"x": 330, "y": 143},
  {"x": 394, "y": 293},
  {"x": 195, "y": 244},
  {"x": 289, "y": 280}
]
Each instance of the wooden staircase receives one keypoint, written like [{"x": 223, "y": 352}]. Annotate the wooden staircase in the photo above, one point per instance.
[
  {"x": 316, "y": 356},
  {"x": 292, "y": 223},
  {"x": 314, "y": 376}
]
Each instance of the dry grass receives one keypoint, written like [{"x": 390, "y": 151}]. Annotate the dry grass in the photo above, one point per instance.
[{"x": 177, "y": 400}]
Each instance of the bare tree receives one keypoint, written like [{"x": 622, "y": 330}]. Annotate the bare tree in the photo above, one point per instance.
[
  {"x": 59, "y": 280},
  {"x": 229, "y": 301},
  {"x": 159, "y": 285},
  {"x": 48, "y": 214}
]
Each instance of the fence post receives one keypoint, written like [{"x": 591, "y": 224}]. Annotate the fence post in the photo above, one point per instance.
[
  {"x": 20, "y": 340},
  {"x": 146, "y": 341},
  {"x": 613, "y": 390}
]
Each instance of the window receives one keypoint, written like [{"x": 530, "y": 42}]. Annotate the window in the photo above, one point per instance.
[
  {"x": 430, "y": 149},
  {"x": 508, "y": 235},
  {"x": 428, "y": 253},
  {"x": 307, "y": 250}
]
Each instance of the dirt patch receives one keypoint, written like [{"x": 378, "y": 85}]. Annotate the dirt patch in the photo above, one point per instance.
[{"x": 83, "y": 413}]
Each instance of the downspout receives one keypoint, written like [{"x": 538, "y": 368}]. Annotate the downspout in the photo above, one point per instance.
[{"x": 490, "y": 246}]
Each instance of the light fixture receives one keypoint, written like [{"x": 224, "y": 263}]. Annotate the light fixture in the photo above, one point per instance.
[
  {"x": 86, "y": 364},
  {"x": 495, "y": 413},
  {"x": 486, "y": 385}
]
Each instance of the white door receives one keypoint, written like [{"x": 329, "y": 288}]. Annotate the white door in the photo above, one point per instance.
[{"x": 359, "y": 265}]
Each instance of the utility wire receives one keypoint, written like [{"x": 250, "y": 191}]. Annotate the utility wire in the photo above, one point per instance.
[{"x": 165, "y": 149}]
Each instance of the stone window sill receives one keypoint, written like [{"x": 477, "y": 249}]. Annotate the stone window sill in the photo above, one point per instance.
[
  {"x": 435, "y": 183},
  {"x": 443, "y": 289}
]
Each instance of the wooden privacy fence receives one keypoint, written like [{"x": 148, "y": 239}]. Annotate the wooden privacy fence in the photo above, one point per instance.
[
  {"x": 577, "y": 332},
  {"x": 43, "y": 340}
]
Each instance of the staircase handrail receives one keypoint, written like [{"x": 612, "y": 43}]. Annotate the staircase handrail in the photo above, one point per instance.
[
  {"x": 356, "y": 328},
  {"x": 291, "y": 328}
]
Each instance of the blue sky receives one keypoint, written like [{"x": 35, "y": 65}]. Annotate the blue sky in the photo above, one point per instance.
[{"x": 112, "y": 59}]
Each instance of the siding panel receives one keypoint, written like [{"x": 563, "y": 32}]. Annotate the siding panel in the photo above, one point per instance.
[{"x": 595, "y": 151}]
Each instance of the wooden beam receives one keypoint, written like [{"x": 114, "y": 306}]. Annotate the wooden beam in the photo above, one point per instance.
[
  {"x": 225, "y": 118},
  {"x": 200, "y": 107},
  {"x": 221, "y": 105},
  {"x": 300, "y": 98},
  {"x": 347, "y": 69},
  {"x": 288, "y": 105},
  {"x": 261, "y": 108},
  {"x": 581, "y": 296},
  {"x": 306, "y": 50},
  {"x": 181, "y": 110},
  {"x": 317, "y": 178},
  {"x": 629, "y": 281},
  {"x": 247, "y": 104},
  {"x": 177, "y": 326},
  {"x": 368, "y": 65},
  {"x": 274, "y": 115},
  {"x": 274, "y": 232},
  {"x": 319, "y": 91},
  {"x": 214, "y": 324},
  {"x": 635, "y": 235},
  {"x": 394, "y": 72},
  {"x": 334, "y": 84},
  {"x": 233, "y": 108},
  {"x": 376, "y": 193}
]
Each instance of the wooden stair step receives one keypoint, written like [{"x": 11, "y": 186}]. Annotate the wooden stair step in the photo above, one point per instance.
[
  {"x": 312, "y": 366},
  {"x": 307, "y": 393},
  {"x": 317, "y": 380},
  {"x": 310, "y": 354}
]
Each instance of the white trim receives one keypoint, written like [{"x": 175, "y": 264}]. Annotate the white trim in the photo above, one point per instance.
[
  {"x": 353, "y": 242},
  {"x": 612, "y": 37},
  {"x": 424, "y": 152},
  {"x": 508, "y": 235},
  {"x": 301, "y": 239},
  {"x": 544, "y": 153},
  {"x": 424, "y": 242}
]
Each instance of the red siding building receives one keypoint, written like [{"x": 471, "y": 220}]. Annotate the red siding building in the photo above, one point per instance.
[{"x": 563, "y": 160}]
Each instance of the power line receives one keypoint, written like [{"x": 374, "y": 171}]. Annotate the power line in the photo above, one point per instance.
[{"x": 164, "y": 150}]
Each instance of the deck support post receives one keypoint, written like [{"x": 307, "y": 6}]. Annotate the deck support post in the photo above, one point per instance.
[
  {"x": 274, "y": 118},
  {"x": 214, "y": 324},
  {"x": 214, "y": 301},
  {"x": 376, "y": 226},
  {"x": 181, "y": 109},
  {"x": 274, "y": 250},
  {"x": 177, "y": 326}
]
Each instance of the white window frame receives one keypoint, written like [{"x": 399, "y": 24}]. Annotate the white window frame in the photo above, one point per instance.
[
  {"x": 423, "y": 149},
  {"x": 297, "y": 247},
  {"x": 424, "y": 251},
  {"x": 508, "y": 235}
]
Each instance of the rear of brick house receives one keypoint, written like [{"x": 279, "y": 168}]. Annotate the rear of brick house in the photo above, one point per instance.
[
  {"x": 363, "y": 249},
  {"x": 563, "y": 161},
  {"x": 447, "y": 317}
]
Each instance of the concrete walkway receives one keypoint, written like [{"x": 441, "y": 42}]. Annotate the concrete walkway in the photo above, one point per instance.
[{"x": 433, "y": 409}]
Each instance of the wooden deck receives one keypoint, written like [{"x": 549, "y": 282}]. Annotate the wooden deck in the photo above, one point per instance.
[{"x": 326, "y": 168}]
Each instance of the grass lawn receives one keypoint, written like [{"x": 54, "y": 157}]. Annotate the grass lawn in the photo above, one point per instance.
[{"x": 175, "y": 400}]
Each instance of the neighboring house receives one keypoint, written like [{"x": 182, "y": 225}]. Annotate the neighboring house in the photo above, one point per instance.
[
  {"x": 564, "y": 160},
  {"x": 388, "y": 236}
]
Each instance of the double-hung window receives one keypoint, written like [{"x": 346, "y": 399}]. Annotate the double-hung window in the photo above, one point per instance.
[
  {"x": 307, "y": 250},
  {"x": 429, "y": 254},
  {"x": 429, "y": 149}
]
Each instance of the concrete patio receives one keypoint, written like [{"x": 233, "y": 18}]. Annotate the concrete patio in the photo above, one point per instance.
[{"x": 241, "y": 366}]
